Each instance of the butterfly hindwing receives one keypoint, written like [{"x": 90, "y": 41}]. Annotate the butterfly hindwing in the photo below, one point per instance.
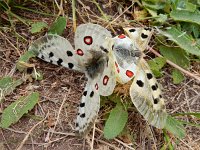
[
  {"x": 107, "y": 80},
  {"x": 56, "y": 50},
  {"x": 146, "y": 96},
  {"x": 88, "y": 108},
  {"x": 145, "y": 92}
]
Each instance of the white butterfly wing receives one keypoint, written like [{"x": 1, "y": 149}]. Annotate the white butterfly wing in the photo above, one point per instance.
[
  {"x": 88, "y": 108},
  {"x": 147, "y": 98},
  {"x": 140, "y": 36},
  {"x": 89, "y": 37},
  {"x": 56, "y": 50},
  {"x": 107, "y": 80},
  {"x": 126, "y": 57}
]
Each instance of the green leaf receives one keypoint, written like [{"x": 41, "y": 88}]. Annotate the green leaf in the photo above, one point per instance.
[
  {"x": 176, "y": 55},
  {"x": 177, "y": 76},
  {"x": 116, "y": 122},
  {"x": 156, "y": 64},
  {"x": 156, "y": 5},
  {"x": 191, "y": 28},
  {"x": 183, "y": 15},
  {"x": 7, "y": 85},
  {"x": 58, "y": 26},
  {"x": 17, "y": 109},
  {"x": 38, "y": 26},
  {"x": 162, "y": 18},
  {"x": 175, "y": 127},
  {"x": 25, "y": 58},
  {"x": 168, "y": 144},
  {"x": 183, "y": 40},
  {"x": 190, "y": 7}
]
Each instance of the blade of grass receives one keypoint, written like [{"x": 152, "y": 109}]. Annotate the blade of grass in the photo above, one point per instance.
[
  {"x": 34, "y": 11},
  {"x": 101, "y": 11},
  {"x": 190, "y": 113},
  {"x": 74, "y": 14}
]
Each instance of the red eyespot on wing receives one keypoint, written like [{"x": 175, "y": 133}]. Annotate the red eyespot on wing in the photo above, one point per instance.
[
  {"x": 117, "y": 67},
  {"x": 96, "y": 86},
  {"x": 122, "y": 36},
  {"x": 79, "y": 52},
  {"x": 129, "y": 73},
  {"x": 105, "y": 80},
  {"x": 88, "y": 40}
]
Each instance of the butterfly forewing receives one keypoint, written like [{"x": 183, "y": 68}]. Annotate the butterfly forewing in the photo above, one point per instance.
[
  {"x": 89, "y": 37},
  {"x": 140, "y": 36},
  {"x": 56, "y": 50},
  {"x": 126, "y": 56}
]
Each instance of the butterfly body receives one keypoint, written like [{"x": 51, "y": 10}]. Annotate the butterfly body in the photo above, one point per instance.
[{"x": 96, "y": 64}]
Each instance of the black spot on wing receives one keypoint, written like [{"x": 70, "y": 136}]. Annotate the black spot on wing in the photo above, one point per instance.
[
  {"x": 144, "y": 36},
  {"x": 77, "y": 124},
  {"x": 149, "y": 76},
  {"x": 154, "y": 87},
  {"x": 132, "y": 30},
  {"x": 42, "y": 57},
  {"x": 85, "y": 93},
  {"x": 59, "y": 62},
  {"x": 92, "y": 94},
  {"x": 140, "y": 83},
  {"x": 82, "y": 104},
  {"x": 51, "y": 54},
  {"x": 160, "y": 96},
  {"x": 82, "y": 115},
  {"x": 69, "y": 53},
  {"x": 155, "y": 100},
  {"x": 70, "y": 65}
]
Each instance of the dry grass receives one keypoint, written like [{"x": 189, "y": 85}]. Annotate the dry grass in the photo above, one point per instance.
[{"x": 50, "y": 124}]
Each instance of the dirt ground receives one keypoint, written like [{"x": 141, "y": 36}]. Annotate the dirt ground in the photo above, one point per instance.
[{"x": 50, "y": 125}]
